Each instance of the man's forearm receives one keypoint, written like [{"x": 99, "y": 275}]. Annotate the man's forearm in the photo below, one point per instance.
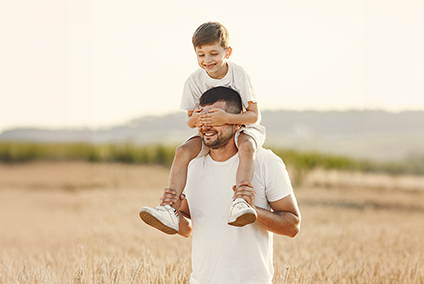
[
  {"x": 184, "y": 226},
  {"x": 282, "y": 223}
]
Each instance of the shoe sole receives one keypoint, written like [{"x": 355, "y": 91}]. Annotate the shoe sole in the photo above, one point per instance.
[
  {"x": 151, "y": 220},
  {"x": 243, "y": 220}
]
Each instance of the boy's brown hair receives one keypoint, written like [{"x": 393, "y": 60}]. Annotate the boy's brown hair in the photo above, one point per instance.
[{"x": 210, "y": 33}]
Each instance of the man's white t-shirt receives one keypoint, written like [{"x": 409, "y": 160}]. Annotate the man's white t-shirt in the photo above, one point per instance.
[{"x": 222, "y": 253}]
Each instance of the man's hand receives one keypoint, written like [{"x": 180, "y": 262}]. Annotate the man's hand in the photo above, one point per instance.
[
  {"x": 169, "y": 197},
  {"x": 214, "y": 117},
  {"x": 246, "y": 191}
]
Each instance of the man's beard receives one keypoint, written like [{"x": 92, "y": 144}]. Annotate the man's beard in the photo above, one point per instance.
[{"x": 221, "y": 140}]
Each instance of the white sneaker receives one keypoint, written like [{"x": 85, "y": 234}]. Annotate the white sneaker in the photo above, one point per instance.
[
  {"x": 164, "y": 218},
  {"x": 241, "y": 213}
]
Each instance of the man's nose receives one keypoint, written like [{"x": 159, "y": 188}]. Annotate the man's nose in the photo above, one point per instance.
[{"x": 206, "y": 127}]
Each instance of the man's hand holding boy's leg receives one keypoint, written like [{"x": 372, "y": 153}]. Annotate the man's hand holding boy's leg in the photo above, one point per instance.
[
  {"x": 243, "y": 210},
  {"x": 246, "y": 191},
  {"x": 169, "y": 197}
]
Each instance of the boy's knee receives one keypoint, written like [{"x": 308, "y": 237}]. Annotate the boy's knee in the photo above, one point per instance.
[
  {"x": 188, "y": 150},
  {"x": 247, "y": 145},
  {"x": 182, "y": 150}
]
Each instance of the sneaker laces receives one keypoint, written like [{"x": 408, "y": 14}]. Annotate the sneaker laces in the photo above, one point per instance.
[{"x": 241, "y": 204}]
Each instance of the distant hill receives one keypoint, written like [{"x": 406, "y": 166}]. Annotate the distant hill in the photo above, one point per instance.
[{"x": 361, "y": 134}]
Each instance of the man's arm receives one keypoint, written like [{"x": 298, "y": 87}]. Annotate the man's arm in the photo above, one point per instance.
[
  {"x": 284, "y": 219},
  {"x": 184, "y": 222}
]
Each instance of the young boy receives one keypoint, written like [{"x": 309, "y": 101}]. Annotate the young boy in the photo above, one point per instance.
[{"x": 211, "y": 45}]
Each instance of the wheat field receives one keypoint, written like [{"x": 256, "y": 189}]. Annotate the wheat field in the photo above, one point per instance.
[{"x": 77, "y": 222}]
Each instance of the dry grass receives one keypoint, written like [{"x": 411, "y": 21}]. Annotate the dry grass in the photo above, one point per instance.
[{"x": 78, "y": 223}]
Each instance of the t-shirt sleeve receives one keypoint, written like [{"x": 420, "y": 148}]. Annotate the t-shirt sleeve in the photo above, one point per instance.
[
  {"x": 190, "y": 97},
  {"x": 245, "y": 89},
  {"x": 277, "y": 181}
]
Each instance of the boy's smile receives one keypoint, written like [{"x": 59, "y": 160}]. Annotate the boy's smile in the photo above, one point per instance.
[{"x": 213, "y": 59}]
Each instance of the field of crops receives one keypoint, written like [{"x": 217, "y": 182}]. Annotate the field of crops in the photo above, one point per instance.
[
  {"x": 155, "y": 154},
  {"x": 77, "y": 222}
]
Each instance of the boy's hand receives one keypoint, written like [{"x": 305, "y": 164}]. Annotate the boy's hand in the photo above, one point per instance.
[
  {"x": 214, "y": 117},
  {"x": 194, "y": 119}
]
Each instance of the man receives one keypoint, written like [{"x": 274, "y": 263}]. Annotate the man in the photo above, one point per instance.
[{"x": 222, "y": 253}]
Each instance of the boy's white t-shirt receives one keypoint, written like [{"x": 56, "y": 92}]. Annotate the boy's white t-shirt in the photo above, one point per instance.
[
  {"x": 236, "y": 79},
  {"x": 222, "y": 253}
]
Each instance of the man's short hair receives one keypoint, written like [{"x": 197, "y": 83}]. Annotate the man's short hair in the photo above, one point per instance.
[
  {"x": 210, "y": 33},
  {"x": 222, "y": 94}
]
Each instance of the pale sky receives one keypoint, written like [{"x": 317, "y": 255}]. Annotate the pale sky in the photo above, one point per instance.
[{"x": 95, "y": 64}]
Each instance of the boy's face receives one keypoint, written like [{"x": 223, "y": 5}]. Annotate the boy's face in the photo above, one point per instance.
[{"x": 213, "y": 59}]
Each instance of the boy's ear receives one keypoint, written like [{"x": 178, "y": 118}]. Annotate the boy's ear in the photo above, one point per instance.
[{"x": 229, "y": 52}]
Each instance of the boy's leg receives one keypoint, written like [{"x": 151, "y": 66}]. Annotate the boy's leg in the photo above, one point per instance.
[
  {"x": 247, "y": 152},
  {"x": 165, "y": 218},
  {"x": 178, "y": 174},
  {"x": 241, "y": 213}
]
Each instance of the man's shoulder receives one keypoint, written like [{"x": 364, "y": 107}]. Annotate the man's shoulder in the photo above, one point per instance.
[
  {"x": 263, "y": 156},
  {"x": 264, "y": 153},
  {"x": 267, "y": 156},
  {"x": 194, "y": 163}
]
